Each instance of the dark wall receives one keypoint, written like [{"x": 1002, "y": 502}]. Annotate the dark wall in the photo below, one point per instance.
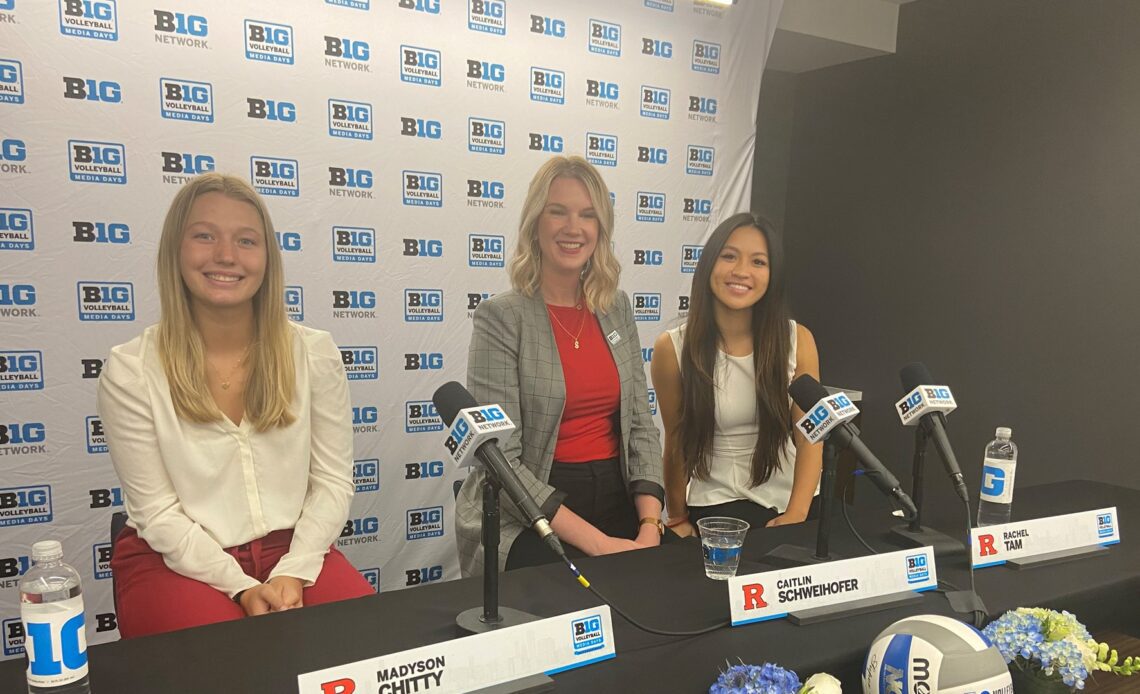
[{"x": 973, "y": 202}]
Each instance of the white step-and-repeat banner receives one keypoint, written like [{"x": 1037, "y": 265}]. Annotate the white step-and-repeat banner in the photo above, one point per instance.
[{"x": 393, "y": 141}]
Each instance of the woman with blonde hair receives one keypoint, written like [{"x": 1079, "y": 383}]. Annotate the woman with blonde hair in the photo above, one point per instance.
[
  {"x": 560, "y": 353},
  {"x": 230, "y": 429}
]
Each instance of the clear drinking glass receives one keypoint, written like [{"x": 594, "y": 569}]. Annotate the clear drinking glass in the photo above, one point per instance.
[{"x": 722, "y": 540}]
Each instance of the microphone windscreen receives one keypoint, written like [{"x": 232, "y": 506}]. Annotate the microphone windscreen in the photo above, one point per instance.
[
  {"x": 915, "y": 374},
  {"x": 806, "y": 392},
  {"x": 450, "y": 398}
]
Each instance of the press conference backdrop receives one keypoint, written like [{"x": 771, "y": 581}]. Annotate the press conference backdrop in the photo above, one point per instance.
[{"x": 393, "y": 141}]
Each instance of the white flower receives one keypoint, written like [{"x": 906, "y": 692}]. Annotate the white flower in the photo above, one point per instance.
[{"x": 821, "y": 683}]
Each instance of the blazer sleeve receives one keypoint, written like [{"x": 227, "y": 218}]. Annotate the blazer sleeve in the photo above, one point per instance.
[{"x": 646, "y": 474}]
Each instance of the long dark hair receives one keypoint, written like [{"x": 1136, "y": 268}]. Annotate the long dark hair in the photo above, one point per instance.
[{"x": 771, "y": 341}]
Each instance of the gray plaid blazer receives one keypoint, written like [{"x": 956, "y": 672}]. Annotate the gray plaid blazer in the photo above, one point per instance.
[{"x": 513, "y": 362}]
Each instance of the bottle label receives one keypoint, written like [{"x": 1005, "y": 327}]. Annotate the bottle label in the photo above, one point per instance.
[
  {"x": 997, "y": 480},
  {"x": 56, "y": 642}
]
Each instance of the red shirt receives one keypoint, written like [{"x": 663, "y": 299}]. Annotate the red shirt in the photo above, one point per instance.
[{"x": 593, "y": 390}]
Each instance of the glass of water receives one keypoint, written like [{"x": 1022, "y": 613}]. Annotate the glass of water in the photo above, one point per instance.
[{"x": 722, "y": 540}]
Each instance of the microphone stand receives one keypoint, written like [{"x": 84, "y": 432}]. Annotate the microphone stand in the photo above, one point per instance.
[
  {"x": 794, "y": 555},
  {"x": 915, "y": 534}
]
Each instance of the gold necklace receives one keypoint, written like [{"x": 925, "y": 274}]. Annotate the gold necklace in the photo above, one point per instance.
[
  {"x": 581, "y": 324},
  {"x": 225, "y": 381}
]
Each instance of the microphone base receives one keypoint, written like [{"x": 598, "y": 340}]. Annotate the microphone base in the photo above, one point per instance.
[
  {"x": 943, "y": 544},
  {"x": 785, "y": 556},
  {"x": 473, "y": 620}
]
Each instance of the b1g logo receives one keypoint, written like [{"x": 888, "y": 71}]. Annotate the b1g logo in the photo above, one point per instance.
[
  {"x": 423, "y": 361},
  {"x": 25, "y": 505},
  {"x": 288, "y": 241},
  {"x": 97, "y": 162},
  {"x": 652, "y": 401},
  {"x": 657, "y": 48},
  {"x": 186, "y": 100},
  {"x": 696, "y": 209},
  {"x": 485, "y": 193},
  {"x": 92, "y": 90},
  {"x": 474, "y": 299},
  {"x": 652, "y": 155},
  {"x": 420, "y": 416},
  {"x": 347, "y": 54},
  {"x": 427, "y": 574},
  {"x": 420, "y": 66},
  {"x": 360, "y": 363},
  {"x": 268, "y": 42},
  {"x": 548, "y": 86},
  {"x": 650, "y": 207},
  {"x": 100, "y": 232},
  {"x": 423, "y": 248},
  {"x": 366, "y": 475},
  {"x": 91, "y": 368},
  {"x": 13, "y": 152},
  {"x": 653, "y": 258},
  {"x": 372, "y": 576},
  {"x": 605, "y": 38},
  {"x": 682, "y": 306},
  {"x": 180, "y": 167},
  {"x": 295, "y": 302},
  {"x": 101, "y": 560},
  {"x": 702, "y": 108},
  {"x": 181, "y": 29},
  {"x": 486, "y": 136},
  {"x": 602, "y": 94},
  {"x": 350, "y": 119},
  {"x": 425, "y": 6},
  {"x": 422, "y": 188},
  {"x": 485, "y": 251},
  {"x": 544, "y": 142},
  {"x": 425, "y": 522},
  {"x": 271, "y": 110},
  {"x": 547, "y": 26},
  {"x": 427, "y": 469},
  {"x": 18, "y": 301},
  {"x": 354, "y": 303},
  {"x": 365, "y": 419},
  {"x": 273, "y": 176},
  {"x": 89, "y": 19},
  {"x": 11, "y": 82},
  {"x": 423, "y": 306},
  {"x": 359, "y": 531},
  {"x": 21, "y": 370},
  {"x": 350, "y": 183},
  {"x": 105, "y": 301},
  {"x": 647, "y": 306},
  {"x": 421, "y": 127},
  {"x": 690, "y": 255},
  {"x": 654, "y": 102},
  {"x": 13, "y": 568},
  {"x": 699, "y": 160},
  {"x": 917, "y": 568},
  {"x": 601, "y": 149},
  {"x": 354, "y": 244},
  {"x": 106, "y": 498},
  {"x": 485, "y": 75},
  {"x": 706, "y": 57},
  {"x": 96, "y": 437},
  {"x": 13, "y": 636},
  {"x": 587, "y": 634},
  {"x": 489, "y": 16},
  {"x": 17, "y": 233}
]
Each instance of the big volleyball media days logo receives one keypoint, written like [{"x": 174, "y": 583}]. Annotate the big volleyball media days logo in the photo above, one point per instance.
[
  {"x": 25, "y": 505},
  {"x": 650, "y": 207},
  {"x": 366, "y": 475},
  {"x": 89, "y": 19},
  {"x": 353, "y": 244},
  {"x": 486, "y": 136},
  {"x": 421, "y": 416},
  {"x": 604, "y": 38},
  {"x": 105, "y": 301},
  {"x": 483, "y": 250},
  {"x": 21, "y": 369},
  {"x": 295, "y": 302},
  {"x": 423, "y": 306},
  {"x": 487, "y": 16},
  {"x": 96, "y": 435},
  {"x": 97, "y": 162},
  {"x": 422, "y": 188},
  {"x": 547, "y": 85},
  {"x": 17, "y": 230},
  {"x": 274, "y": 176},
  {"x": 602, "y": 149},
  {"x": 655, "y": 102},
  {"x": 706, "y": 57},
  {"x": 647, "y": 306},
  {"x": 350, "y": 119},
  {"x": 268, "y": 42},
  {"x": 360, "y": 362},
  {"x": 421, "y": 65},
  {"x": 699, "y": 160},
  {"x": 11, "y": 81},
  {"x": 188, "y": 100},
  {"x": 424, "y": 522}
]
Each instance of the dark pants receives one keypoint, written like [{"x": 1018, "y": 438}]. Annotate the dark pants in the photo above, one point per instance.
[{"x": 754, "y": 514}]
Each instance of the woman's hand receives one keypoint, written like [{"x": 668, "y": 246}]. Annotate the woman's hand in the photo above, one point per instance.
[
  {"x": 613, "y": 545},
  {"x": 684, "y": 529},
  {"x": 648, "y": 536},
  {"x": 786, "y": 518},
  {"x": 280, "y": 593},
  {"x": 291, "y": 591}
]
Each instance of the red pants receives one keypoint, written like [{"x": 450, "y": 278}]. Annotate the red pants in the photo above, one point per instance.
[{"x": 151, "y": 599}]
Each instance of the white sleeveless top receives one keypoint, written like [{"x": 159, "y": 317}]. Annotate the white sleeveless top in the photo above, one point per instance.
[{"x": 734, "y": 439}]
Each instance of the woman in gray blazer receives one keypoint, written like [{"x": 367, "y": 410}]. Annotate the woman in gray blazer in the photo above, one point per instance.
[{"x": 560, "y": 353}]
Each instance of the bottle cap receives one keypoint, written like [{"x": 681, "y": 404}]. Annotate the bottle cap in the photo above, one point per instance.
[
  {"x": 47, "y": 550},
  {"x": 1004, "y": 432}
]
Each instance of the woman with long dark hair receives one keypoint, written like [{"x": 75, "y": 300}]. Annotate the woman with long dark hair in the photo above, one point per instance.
[{"x": 722, "y": 388}]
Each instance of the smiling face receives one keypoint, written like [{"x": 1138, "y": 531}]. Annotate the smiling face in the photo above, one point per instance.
[
  {"x": 223, "y": 256},
  {"x": 741, "y": 273},
  {"x": 567, "y": 229}
]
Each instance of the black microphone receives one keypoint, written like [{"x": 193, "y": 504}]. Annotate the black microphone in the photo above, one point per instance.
[
  {"x": 914, "y": 376},
  {"x": 809, "y": 395},
  {"x": 451, "y": 399}
]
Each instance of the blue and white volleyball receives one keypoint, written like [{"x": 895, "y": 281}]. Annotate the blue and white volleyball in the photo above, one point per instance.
[{"x": 932, "y": 654}]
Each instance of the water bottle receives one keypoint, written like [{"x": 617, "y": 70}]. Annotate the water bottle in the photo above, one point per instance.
[
  {"x": 51, "y": 607},
  {"x": 997, "y": 479}
]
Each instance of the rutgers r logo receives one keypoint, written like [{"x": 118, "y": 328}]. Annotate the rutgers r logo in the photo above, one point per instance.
[
  {"x": 754, "y": 596},
  {"x": 343, "y": 685},
  {"x": 986, "y": 546}
]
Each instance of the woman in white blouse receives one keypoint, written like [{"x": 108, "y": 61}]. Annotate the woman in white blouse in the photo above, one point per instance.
[{"x": 230, "y": 429}]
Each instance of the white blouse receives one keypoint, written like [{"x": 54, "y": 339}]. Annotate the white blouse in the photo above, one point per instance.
[{"x": 191, "y": 489}]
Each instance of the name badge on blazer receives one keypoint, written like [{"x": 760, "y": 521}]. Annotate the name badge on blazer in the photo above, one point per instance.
[{"x": 613, "y": 337}]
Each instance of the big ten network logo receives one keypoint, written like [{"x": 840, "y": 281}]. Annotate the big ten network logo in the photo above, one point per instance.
[
  {"x": 25, "y": 505},
  {"x": 360, "y": 364},
  {"x": 482, "y": 251},
  {"x": 917, "y": 568},
  {"x": 350, "y": 183},
  {"x": 545, "y": 142},
  {"x": 706, "y": 57},
  {"x": 90, "y": 368},
  {"x": 109, "y": 497},
  {"x": 702, "y": 108},
  {"x": 605, "y": 38},
  {"x": 425, "y": 6},
  {"x": 473, "y": 301},
  {"x": 423, "y": 361},
  {"x": 421, "y": 127},
  {"x": 486, "y": 136},
  {"x": 344, "y": 53},
  {"x": 89, "y": 19},
  {"x": 650, "y": 207},
  {"x": 699, "y": 160},
  {"x": 372, "y": 576},
  {"x": 87, "y": 89},
  {"x": 354, "y": 244},
  {"x": 97, "y": 162},
  {"x": 22, "y": 438},
  {"x": 422, "y": 188},
  {"x": 485, "y": 75},
  {"x": 17, "y": 232},
  {"x": 18, "y": 301},
  {"x": 655, "y": 102},
  {"x": 420, "y": 576},
  {"x": 101, "y": 560},
  {"x": 421, "y": 416},
  {"x": 690, "y": 256},
  {"x": 11, "y": 568},
  {"x": 696, "y": 210},
  {"x": 186, "y": 100},
  {"x": 271, "y": 110},
  {"x": 602, "y": 94},
  {"x": 424, "y": 522},
  {"x": 485, "y": 193},
  {"x": 423, "y": 248},
  {"x": 13, "y": 153},
  {"x": 268, "y": 42},
  {"x": 273, "y": 176},
  {"x": 547, "y": 26},
  {"x": 652, "y": 155},
  {"x": 683, "y": 306},
  {"x": 601, "y": 149},
  {"x": 353, "y": 303},
  {"x": 426, "y": 469},
  {"x": 181, "y": 29},
  {"x": 350, "y": 119},
  {"x": 21, "y": 370},
  {"x": 423, "y": 306},
  {"x": 587, "y": 634},
  {"x": 100, "y": 232},
  {"x": 13, "y": 631},
  {"x": 366, "y": 475},
  {"x": 11, "y": 82},
  {"x": 648, "y": 257},
  {"x": 295, "y": 302},
  {"x": 647, "y": 306},
  {"x": 420, "y": 65},
  {"x": 288, "y": 241},
  {"x": 547, "y": 85},
  {"x": 658, "y": 48},
  {"x": 96, "y": 436},
  {"x": 488, "y": 16},
  {"x": 652, "y": 401},
  {"x": 179, "y": 167},
  {"x": 365, "y": 419},
  {"x": 105, "y": 301},
  {"x": 359, "y": 531},
  {"x": 663, "y": 5}
]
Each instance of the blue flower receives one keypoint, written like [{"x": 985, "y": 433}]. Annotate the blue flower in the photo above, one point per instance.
[
  {"x": 756, "y": 679},
  {"x": 1037, "y": 640}
]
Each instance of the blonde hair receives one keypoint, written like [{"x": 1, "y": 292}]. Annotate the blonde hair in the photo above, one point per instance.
[
  {"x": 271, "y": 380},
  {"x": 600, "y": 277}
]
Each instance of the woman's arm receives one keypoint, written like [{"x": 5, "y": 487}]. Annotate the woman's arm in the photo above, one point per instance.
[
  {"x": 809, "y": 456},
  {"x": 666, "y": 373}
]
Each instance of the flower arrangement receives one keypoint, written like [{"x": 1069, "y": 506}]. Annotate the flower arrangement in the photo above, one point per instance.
[
  {"x": 1053, "y": 647},
  {"x": 771, "y": 679}
]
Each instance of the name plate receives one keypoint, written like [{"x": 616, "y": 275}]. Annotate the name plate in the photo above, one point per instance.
[
  {"x": 773, "y": 594},
  {"x": 546, "y": 646},
  {"x": 996, "y": 544}
]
